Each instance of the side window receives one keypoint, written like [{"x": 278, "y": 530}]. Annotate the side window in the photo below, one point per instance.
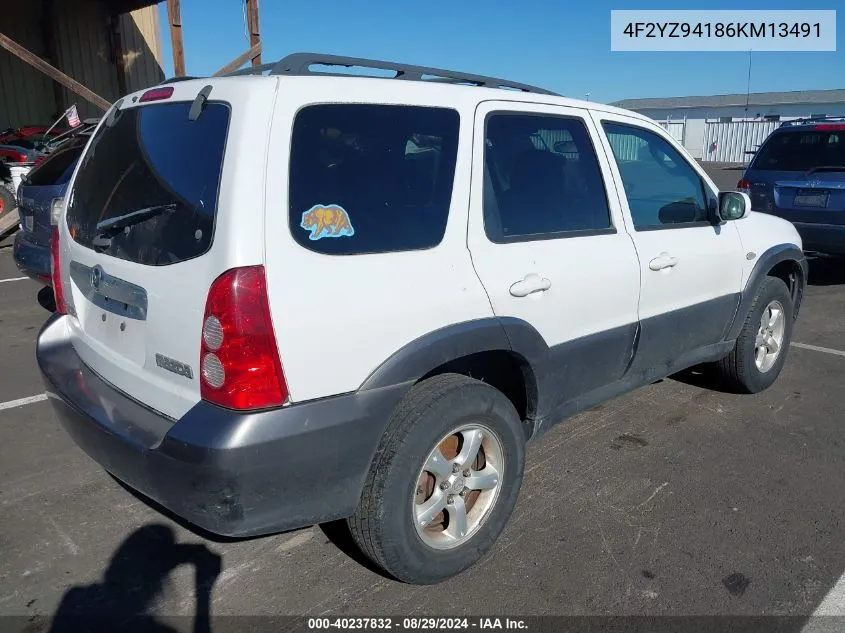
[
  {"x": 542, "y": 178},
  {"x": 371, "y": 178},
  {"x": 661, "y": 186}
]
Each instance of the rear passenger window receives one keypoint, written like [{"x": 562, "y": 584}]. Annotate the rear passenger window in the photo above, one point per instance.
[
  {"x": 371, "y": 178},
  {"x": 542, "y": 178},
  {"x": 662, "y": 188}
]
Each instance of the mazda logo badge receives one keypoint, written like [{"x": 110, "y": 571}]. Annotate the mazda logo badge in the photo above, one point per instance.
[{"x": 96, "y": 276}]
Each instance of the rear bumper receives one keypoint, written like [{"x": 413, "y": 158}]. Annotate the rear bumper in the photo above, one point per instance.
[
  {"x": 31, "y": 257},
  {"x": 823, "y": 238},
  {"x": 229, "y": 473}
]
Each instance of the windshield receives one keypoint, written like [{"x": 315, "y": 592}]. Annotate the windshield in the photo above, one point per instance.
[
  {"x": 152, "y": 156},
  {"x": 802, "y": 150}
]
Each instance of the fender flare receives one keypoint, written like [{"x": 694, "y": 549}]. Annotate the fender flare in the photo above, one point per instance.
[
  {"x": 768, "y": 260},
  {"x": 431, "y": 350}
]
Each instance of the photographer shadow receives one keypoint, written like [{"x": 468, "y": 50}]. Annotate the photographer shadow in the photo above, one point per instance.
[{"x": 136, "y": 575}]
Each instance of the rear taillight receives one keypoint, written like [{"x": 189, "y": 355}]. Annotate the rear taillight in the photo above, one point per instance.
[
  {"x": 833, "y": 127},
  {"x": 55, "y": 262},
  {"x": 744, "y": 186},
  {"x": 56, "y": 211},
  {"x": 239, "y": 361},
  {"x": 56, "y": 272}
]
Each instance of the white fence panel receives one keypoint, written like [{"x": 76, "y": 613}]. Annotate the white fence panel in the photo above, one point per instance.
[
  {"x": 676, "y": 129},
  {"x": 729, "y": 142}
]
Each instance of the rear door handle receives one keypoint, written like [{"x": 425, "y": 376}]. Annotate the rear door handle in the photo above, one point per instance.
[
  {"x": 530, "y": 284},
  {"x": 664, "y": 260}
]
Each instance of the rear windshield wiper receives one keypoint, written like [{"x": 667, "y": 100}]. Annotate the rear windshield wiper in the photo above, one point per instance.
[{"x": 113, "y": 226}]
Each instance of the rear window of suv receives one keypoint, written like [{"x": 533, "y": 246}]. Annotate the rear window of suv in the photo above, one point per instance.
[
  {"x": 802, "y": 150},
  {"x": 371, "y": 178},
  {"x": 56, "y": 168},
  {"x": 147, "y": 187}
]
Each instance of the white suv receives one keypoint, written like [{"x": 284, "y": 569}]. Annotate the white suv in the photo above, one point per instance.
[{"x": 286, "y": 298}]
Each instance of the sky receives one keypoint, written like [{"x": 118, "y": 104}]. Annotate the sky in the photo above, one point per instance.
[{"x": 561, "y": 45}]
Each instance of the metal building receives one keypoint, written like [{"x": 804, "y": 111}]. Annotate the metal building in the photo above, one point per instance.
[
  {"x": 728, "y": 128},
  {"x": 110, "y": 47}
]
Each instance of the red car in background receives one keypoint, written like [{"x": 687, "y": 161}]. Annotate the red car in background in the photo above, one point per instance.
[{"x": 27, "y": 132}]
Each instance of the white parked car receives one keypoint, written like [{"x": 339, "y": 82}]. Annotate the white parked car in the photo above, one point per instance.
[{"x": 286, "y": 297}]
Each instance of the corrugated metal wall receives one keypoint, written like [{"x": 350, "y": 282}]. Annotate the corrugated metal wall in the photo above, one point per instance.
[
  {"x": 733, "y": 139},
  {"x": 625, "y": 146},
  {"x": 141, "y": 45},
  {"x": 82, "y": 37},
  {"x": 84, "y": 51},
  {"x": 26, "y": 95},
  {"x": 676, "y": 129}
]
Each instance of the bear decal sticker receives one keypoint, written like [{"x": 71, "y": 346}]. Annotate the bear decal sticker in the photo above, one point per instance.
[{"x": 327, "y": 221}]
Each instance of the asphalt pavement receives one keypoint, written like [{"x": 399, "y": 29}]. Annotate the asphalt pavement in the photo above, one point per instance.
[{"x": 673, "y": 500}]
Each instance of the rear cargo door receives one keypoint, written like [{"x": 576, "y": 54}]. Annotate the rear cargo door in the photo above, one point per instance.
[{"x": 150, "y": 223}]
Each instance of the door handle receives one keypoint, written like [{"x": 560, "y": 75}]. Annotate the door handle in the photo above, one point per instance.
[
  {"x": 530, "y": 284},
  {"x": 664, "y": 260}
]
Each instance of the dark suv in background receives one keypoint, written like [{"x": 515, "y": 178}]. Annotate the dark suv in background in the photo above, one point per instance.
[
  {"x": 799, "y": 174},
  {"x": 40, "y": 189}
]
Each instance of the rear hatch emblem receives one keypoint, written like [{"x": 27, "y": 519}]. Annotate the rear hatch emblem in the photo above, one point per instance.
[
  {"x": 96, "y": 276},
  {"x": 175, "y": 366}
]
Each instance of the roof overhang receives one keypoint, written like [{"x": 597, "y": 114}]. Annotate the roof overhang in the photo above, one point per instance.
[{"x": 125, "y": 6}]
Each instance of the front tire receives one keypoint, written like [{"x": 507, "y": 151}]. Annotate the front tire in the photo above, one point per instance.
[
  {"x": 444, "y": 480},
  {"x": 760, "y": 351}
]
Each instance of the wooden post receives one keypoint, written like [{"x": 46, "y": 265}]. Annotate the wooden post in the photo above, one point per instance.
[
  {"x": 239, "y": 61},
  {"x": 254, "y": 31},
  {"x": 51, "y": 71},
  {"x": 174, "y": 16},
  {"x": 115, "y": 41}
]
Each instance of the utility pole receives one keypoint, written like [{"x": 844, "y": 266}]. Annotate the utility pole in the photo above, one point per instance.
[
  {"x": 252, "y": 26},
  {"x": 174, "y": 18},
  {"x": 748, "y": 85}
]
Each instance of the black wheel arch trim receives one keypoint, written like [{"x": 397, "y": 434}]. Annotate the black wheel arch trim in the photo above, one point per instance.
[
  {"x": 768, "y": 260},
  {"x": 428, "y": 352}
]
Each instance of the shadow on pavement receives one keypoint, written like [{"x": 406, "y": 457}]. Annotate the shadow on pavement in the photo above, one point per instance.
[
  {"x": 702, "y": 376},
  {"x": 826, "y": 271},
  {"x": 136, "y": 575},
  {"x": 46, "y": 299},
  {"x": 338, "y": 533}
]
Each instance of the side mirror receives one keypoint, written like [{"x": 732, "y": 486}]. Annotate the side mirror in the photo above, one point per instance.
[{"x": 733, "y": 205}]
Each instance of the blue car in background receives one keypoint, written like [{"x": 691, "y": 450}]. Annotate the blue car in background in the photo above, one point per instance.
[
  {"x": 35, "y": 196},
  {"x": 798, "y": 174}
]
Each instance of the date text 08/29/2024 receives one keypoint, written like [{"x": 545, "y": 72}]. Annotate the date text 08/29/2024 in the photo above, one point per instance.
[{"x": 417, "y": 623}]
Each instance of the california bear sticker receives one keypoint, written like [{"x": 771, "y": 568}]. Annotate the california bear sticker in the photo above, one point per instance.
[{"x": 327, "y": 221}]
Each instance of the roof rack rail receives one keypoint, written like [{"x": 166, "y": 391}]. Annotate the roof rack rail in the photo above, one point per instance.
[
  {"x": 300, "y": 64},
  {"x": 814, "y": 119}
]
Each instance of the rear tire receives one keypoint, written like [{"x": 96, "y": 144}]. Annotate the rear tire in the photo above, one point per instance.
[
  {"x": 455, "y": 447},
  {"x": 754, "y": 364}
]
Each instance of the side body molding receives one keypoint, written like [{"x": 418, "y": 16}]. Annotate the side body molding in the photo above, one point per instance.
[
  {"x": 551, "y": 374},
  {"x": 770, "y": 258}
]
